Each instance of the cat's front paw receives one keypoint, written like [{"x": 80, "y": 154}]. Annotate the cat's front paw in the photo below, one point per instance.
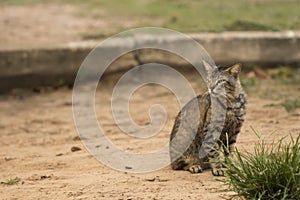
[
  {"x": 218, "y": 171},
  {"x": 195, "y": 169}
]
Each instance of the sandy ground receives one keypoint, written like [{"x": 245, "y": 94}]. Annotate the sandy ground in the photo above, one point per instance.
[{"x": 38, "y": 132}]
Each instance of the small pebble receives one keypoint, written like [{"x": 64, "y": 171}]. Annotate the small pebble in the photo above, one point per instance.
[
  {"x": 74, "y": 148},
  {"x": 9, "y": 158},
  {"x": 76, "y": 138}
]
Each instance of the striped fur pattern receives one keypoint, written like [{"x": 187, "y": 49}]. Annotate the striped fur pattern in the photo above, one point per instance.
[{"x": 234, "y": 115}]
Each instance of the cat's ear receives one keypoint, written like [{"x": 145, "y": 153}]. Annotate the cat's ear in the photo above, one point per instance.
[
  {"x": 235, "y": 70},
  {"x": 208, "y": 68}
]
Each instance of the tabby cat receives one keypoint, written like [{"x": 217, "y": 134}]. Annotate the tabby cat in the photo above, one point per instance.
[{"x": 216, "y": 133}]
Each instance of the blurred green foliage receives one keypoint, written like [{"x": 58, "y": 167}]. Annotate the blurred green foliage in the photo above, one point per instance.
[{"x": 194, "y": 15}]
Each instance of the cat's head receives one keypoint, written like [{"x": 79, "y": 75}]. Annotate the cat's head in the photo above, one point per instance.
[{"x": 222, "y": 79}]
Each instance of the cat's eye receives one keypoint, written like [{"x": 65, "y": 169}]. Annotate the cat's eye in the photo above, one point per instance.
[{"x": 218, "y": 89}]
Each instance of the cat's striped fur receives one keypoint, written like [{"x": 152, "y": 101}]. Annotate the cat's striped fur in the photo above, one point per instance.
[{"x": 234, "y": 113}]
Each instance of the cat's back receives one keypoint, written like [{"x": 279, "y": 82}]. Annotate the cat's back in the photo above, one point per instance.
[{"x": 192, "y": 114}]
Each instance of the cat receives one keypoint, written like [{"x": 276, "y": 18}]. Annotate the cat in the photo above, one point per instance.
[{"x": 222, "y": 133}]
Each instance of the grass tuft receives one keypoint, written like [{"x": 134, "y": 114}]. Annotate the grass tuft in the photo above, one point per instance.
[
  {"x": 291, "y": 104},
  {"x": 271, "y": 172},
  {"x": 11, "y": 182}
]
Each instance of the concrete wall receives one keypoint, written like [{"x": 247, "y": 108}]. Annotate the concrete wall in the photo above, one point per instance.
[{"x": 29, "y": 68}]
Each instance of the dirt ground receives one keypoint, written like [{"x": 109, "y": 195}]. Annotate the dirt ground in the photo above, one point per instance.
[
  {"x": 38, "y": 132},
  {"x": 29, "y": 27}
]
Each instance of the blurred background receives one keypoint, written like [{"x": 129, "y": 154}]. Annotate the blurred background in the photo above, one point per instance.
[{"x": 48, "y": 23}]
